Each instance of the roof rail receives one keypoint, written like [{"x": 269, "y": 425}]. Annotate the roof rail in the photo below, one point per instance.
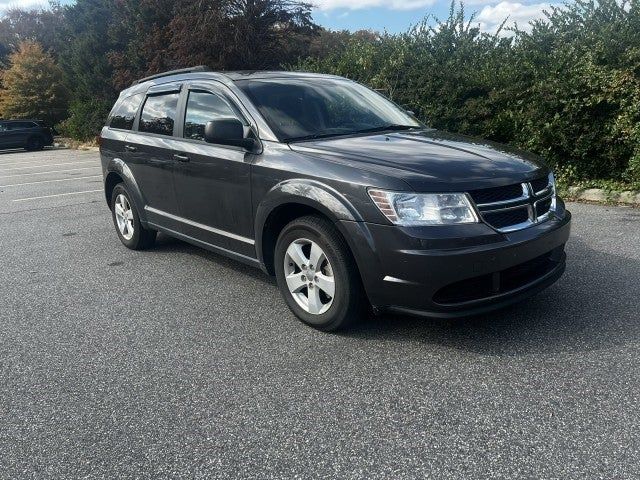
[{"x": 199, "y": 68}]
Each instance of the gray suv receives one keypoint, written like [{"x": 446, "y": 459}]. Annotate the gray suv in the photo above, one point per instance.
[{"x": 345, "y": 197}]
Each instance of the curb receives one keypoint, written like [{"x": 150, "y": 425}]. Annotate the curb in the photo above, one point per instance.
[{"x": 600, "y": 195}]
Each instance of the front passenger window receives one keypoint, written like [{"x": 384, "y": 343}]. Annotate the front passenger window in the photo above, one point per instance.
[{"x": 203, "y": 107}]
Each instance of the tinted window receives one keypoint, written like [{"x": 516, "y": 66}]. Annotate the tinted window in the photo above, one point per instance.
[
  {"x": 159, "y": 114},
  {"x": 19, "y": 125},
  {"x": 301, "y": 108},
  {"x": 125, "y": 112},
  {"x": 202, "y": 107}
]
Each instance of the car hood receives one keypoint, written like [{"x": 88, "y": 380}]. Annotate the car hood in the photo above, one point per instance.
[{"x": 431, "y": 160}]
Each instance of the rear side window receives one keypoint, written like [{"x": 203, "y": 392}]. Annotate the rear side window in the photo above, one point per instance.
[
  {"x": 159, "y": 114},
  {"x": 203, "y": 107},
  {"x": 125, "y": 112}
]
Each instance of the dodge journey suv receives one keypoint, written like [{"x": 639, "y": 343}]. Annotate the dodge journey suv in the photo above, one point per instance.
[{"x": 345, "y": 197}]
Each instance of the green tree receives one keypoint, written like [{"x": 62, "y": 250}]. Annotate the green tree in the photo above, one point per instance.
[{"x": 32, "y": 86}]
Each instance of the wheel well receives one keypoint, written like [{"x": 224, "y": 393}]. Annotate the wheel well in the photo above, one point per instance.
[
  {"x": 276, "y": 221},
  {"x": 110, "y": 183}
]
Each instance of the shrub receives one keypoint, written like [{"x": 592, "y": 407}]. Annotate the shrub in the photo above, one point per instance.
[
  {"x": 568, "y": 90},
  {"x": 86, "y": 119}
]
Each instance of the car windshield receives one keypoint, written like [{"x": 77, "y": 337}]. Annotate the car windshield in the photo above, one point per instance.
[{"x": 308, "y": 108}]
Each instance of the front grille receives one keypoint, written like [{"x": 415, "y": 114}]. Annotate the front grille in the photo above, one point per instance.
[
  {"x": 540, "y": 184},
  {"x": 496, "y": 194},
  {"x": 511, "y": 207},
  {"x": 496, "y": 283},
  {"x": 506, "y": 218}
]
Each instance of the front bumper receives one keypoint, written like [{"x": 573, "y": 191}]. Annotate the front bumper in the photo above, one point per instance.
[{"x": 460, "y": 270}]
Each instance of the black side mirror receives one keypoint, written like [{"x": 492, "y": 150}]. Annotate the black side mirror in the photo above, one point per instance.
[{"x": 227, "y": 131}]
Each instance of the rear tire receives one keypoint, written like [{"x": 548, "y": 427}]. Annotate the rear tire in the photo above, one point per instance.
[
  {"x": 329, "y": 295},
  {"x": 35, "y": 143},
  {"x": 127, "y": 221}
]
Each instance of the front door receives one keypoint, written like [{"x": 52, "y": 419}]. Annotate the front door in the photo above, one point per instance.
[{"x": 212, "y": 182}]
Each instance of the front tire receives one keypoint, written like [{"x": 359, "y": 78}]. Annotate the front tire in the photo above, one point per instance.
[
  {"x": 317, "y": 275},
  {"x": 127, "y": 221}
]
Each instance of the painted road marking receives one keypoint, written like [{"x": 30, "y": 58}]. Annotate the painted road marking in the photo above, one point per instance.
[
  {"x": 57, "y": 195},
  {"x": 49, "y": 172},
  {"x": 50, "y": 181},
  {"x": 51, "y": 165}
]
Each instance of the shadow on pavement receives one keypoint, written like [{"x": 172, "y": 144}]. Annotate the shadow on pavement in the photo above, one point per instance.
[{"x": 594, "y": 306}]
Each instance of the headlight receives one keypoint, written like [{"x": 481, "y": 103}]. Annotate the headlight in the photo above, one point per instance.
[{"x": 412, "y": 209}]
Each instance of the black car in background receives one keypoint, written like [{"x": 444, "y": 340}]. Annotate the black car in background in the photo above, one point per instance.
[
  {"x": 28, "y": 134},
  {"x": 343, "y": 196}
]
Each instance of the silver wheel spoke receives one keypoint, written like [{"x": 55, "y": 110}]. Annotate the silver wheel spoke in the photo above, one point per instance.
[
  {"x": 129, "y": 215},
  {"x": 297, "y": 255},
  {"x": 315, "y": 304},
  {"x": 317, "y": 256},
  {"x": 295, "y": 282},
  {"x": 326, "y": 284},
  {"x": 119, "y": 210}
]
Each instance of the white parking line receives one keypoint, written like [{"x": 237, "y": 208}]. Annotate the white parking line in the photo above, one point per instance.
[
  {"x": 57, "y": 195},
  {"x": 45, "y": 173},
  {"x": 51, "y": 165},
  {"x": 31, "y": 161},
  {"x": 50, "y": 181}
]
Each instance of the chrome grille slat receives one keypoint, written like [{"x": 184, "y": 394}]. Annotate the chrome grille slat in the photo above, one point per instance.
[{"x": 533, "y": 201}]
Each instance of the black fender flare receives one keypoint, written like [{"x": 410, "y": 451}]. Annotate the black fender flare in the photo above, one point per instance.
[
  {"x": 117, "y": 166},
  {"x": 310, "y": 193}
]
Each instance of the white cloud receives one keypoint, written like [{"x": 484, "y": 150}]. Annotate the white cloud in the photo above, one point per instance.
[
  {"x": 360, "y": 4},
  {"x": 490, "y": 17}
]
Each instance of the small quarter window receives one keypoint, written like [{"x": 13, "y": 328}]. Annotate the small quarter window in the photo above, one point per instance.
[
  {"x": 125, "y": 112},
  {"x": 159, "y": 114},
  {"x": 203, "y": 107}
]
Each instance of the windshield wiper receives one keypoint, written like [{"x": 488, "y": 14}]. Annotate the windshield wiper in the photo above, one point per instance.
[
  {"x": 384, "y": 128},
  {"x": 315, "y": 135}
]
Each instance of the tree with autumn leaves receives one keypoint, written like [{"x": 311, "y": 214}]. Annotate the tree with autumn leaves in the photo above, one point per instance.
[
  {"x": 101, "y": 46},
  {"x": 33, "y": 86}
]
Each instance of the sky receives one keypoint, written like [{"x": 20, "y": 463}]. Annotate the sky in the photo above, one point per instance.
[{"x": 398, "y": 15}]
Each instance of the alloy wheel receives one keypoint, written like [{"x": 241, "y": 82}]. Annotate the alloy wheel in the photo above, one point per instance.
[
  {"x": 309, "y": 276},
  {"x": 124, "y": 217}
]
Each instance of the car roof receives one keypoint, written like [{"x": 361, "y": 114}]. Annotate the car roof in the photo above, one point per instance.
[
  {"x": 226, "y": 77},
  {"x": 256, "y": 74}
]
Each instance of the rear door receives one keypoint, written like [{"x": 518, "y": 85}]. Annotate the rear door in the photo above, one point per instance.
[
  {"x": 213, "y": 182},
  {"x": 119, "y": 125},
  {"x": 150, "y": 153}
]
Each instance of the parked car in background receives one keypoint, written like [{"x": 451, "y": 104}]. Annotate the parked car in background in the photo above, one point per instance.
[
  {"x": 27, "y": 134},
  {"x": 342, "y": 195}
]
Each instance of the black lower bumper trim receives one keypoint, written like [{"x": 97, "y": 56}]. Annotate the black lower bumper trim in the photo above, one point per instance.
[{"x": 495, "y": 302}]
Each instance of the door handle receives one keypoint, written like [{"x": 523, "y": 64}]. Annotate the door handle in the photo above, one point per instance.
[
  {"x": 181, "y": 158},
  {"x": 130, "y": 148}
]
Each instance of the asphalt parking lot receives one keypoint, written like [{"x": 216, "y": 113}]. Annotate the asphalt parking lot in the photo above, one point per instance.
[{"x": 176, "y": 362}]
